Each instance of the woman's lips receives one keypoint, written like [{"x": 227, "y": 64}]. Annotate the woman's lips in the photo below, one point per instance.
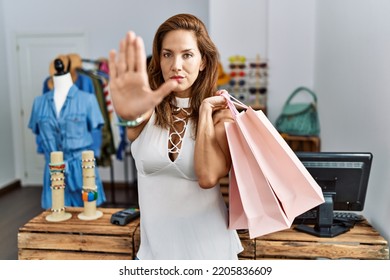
[{"x": 177, "y": 78}]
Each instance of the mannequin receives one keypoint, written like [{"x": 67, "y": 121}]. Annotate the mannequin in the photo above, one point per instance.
[
  {"x": 62, "y": 81},
  {"x": 65, "y": 119}
]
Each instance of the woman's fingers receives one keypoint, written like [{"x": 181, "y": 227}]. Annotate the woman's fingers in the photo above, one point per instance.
[
  {"x": 112, "y": 64},
  {"x": 130, "y": 51},
  {"x": 219, "y": 92},
  {"x": 121, "y": 62},
  {"x": 165, "y": 89},
  {"x": 140, "y": 56},
  {"x": 218, "y": 102},
  {"x": 130, "y": 58},
  {"x": 129, "y": 84}
]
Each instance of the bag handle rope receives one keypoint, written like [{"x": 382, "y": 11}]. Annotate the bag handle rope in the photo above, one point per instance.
[{"x": 233, "y": 102}]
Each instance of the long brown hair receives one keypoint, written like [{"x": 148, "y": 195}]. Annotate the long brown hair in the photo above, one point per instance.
[{"x": 206, "y": 83}]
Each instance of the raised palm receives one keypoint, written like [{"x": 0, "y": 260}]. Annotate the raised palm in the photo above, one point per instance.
[{"x": 129, "y": 85}]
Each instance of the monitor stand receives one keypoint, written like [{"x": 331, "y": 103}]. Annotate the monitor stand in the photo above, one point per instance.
[{"x": 324, "y": 226}]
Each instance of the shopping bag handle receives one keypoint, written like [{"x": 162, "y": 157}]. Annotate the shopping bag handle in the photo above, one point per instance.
[{"x": 233, "y": 102}]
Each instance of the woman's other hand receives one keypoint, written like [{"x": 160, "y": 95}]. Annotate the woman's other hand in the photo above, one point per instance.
[{"x": 215, "y": 103}]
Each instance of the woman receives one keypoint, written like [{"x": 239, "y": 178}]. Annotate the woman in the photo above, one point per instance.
[{"x": 178, "y": 140}]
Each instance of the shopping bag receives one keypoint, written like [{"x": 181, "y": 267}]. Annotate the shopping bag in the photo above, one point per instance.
[
  {"x": 237, "y": 217},
  {"x": 255, "y": 206},
  {"x": 264, "y": 163}
]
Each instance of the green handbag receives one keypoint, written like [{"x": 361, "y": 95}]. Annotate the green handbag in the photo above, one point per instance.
[{"x": 299, "y": 118}]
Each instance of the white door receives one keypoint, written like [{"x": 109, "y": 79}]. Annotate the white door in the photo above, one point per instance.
[{"x": 35, "y": 52}]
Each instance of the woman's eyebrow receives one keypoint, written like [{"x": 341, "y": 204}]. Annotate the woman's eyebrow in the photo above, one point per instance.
[{"x": 186, "y": 50}]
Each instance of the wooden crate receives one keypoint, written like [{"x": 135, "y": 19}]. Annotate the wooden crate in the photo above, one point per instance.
[
  {"x": 361, "y": 242},
  {"x": 249, "y": 245},
  {"x": 76, "y": 239},
  {"x": 303, "y": 143},
  {"x": 224, "y": 184}
]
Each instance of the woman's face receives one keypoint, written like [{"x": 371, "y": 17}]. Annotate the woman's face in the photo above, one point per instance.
[{"x": 181, "y": 60}]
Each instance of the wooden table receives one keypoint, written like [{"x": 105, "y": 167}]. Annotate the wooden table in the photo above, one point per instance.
[
  {"x": 361, "y": 242},
  {"x": 98, "y": 239},
  {"x": 76, "y": 239}
]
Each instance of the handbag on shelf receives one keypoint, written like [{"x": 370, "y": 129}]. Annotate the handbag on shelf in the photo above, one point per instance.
[
  {"x": 269, "y": 185},
  {"x": 299, "y": 119}
]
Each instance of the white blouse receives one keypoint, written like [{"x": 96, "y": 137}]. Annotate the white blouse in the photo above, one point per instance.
[{"x": 179, "y": 219}]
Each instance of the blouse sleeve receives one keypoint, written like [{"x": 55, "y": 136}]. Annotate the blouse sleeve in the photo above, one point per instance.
[
  {"x": 95, "y": 123},
  {"x": 95, "y": 117},
  {"x": 33, "y": 123}
]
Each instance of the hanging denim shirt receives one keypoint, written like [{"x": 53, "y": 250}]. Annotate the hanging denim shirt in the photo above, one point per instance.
[
  {"x": 70, "y": 133},
  {"x": 84, "y": 83}
]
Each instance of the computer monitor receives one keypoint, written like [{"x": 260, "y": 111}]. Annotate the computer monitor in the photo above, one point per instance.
[{"x": 343, "y": 178}]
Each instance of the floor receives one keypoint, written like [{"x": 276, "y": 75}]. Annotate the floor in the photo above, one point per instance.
[{"x": 19, "y": 205}]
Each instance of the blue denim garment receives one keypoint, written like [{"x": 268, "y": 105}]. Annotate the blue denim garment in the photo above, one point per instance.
[
  {"x": 84, "y": 83},
  {"x": 71, "y": 133}
]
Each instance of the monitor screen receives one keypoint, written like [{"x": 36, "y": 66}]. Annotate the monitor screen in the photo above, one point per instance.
[{"x": 343, "y": 178}]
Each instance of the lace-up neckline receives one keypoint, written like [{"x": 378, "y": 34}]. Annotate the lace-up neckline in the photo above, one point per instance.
[{"x": 181, "y": 112}]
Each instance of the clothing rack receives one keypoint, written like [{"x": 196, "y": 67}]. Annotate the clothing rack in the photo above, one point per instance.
[
  {"x": 97, "y": 63},
  {"x": 85, "y": 70},
  {"x": 90, "y": 60}
]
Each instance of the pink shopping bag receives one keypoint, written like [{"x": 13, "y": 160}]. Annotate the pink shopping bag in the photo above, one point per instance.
[
  {"x": 252, "y": 202},
  {"x": 273, "y": 185}
]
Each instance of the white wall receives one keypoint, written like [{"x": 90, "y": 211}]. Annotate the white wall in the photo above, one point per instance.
[
  {"x": 291, "y": 38},
  {"x": 239, "y": 28},
  {"x": 352, "y": 80},
  {"x": 7, "y": 170}
]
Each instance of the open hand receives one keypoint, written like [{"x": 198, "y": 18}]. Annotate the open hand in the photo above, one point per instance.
[{"x": 129, "y": 86}]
